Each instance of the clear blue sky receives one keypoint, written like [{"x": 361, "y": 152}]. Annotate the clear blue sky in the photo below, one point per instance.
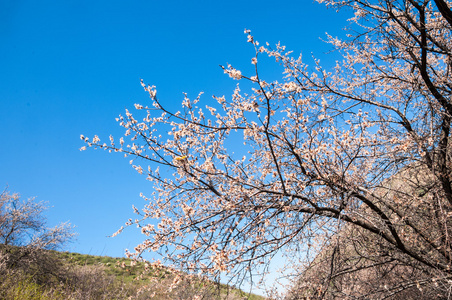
[{"x": 71, "y": 67}]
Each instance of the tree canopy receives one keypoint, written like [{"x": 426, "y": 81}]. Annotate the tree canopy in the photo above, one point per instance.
[
  {"x": 289, "y": 165},
  {"x": 23, "y": 223}
]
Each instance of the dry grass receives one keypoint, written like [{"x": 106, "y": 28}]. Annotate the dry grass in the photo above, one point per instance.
[{"x": 27, "y": 273}]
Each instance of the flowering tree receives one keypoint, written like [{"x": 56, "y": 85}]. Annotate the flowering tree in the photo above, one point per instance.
[
  {"x": 24, "y": 237},
  {"x": 361, "y": 147},
  {"x": 22, "y": 223}
]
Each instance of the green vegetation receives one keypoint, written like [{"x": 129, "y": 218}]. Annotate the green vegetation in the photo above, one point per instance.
[
  {"x": 54, "y": 275},
  {"x": 31, "y": 268}
]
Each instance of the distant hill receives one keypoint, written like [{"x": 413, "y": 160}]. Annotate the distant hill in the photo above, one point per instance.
[{"x": 27, "y": 273}]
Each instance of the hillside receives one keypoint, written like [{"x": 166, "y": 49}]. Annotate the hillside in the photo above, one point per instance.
[
  {"x": 357, "y": 264},
  {"x": 27, "y": 273}
]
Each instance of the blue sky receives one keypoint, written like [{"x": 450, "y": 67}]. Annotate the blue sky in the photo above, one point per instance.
[{"x": 71, "y": 67}]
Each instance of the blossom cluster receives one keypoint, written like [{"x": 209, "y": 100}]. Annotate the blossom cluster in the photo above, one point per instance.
[{"x": 313, "y": 148}]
